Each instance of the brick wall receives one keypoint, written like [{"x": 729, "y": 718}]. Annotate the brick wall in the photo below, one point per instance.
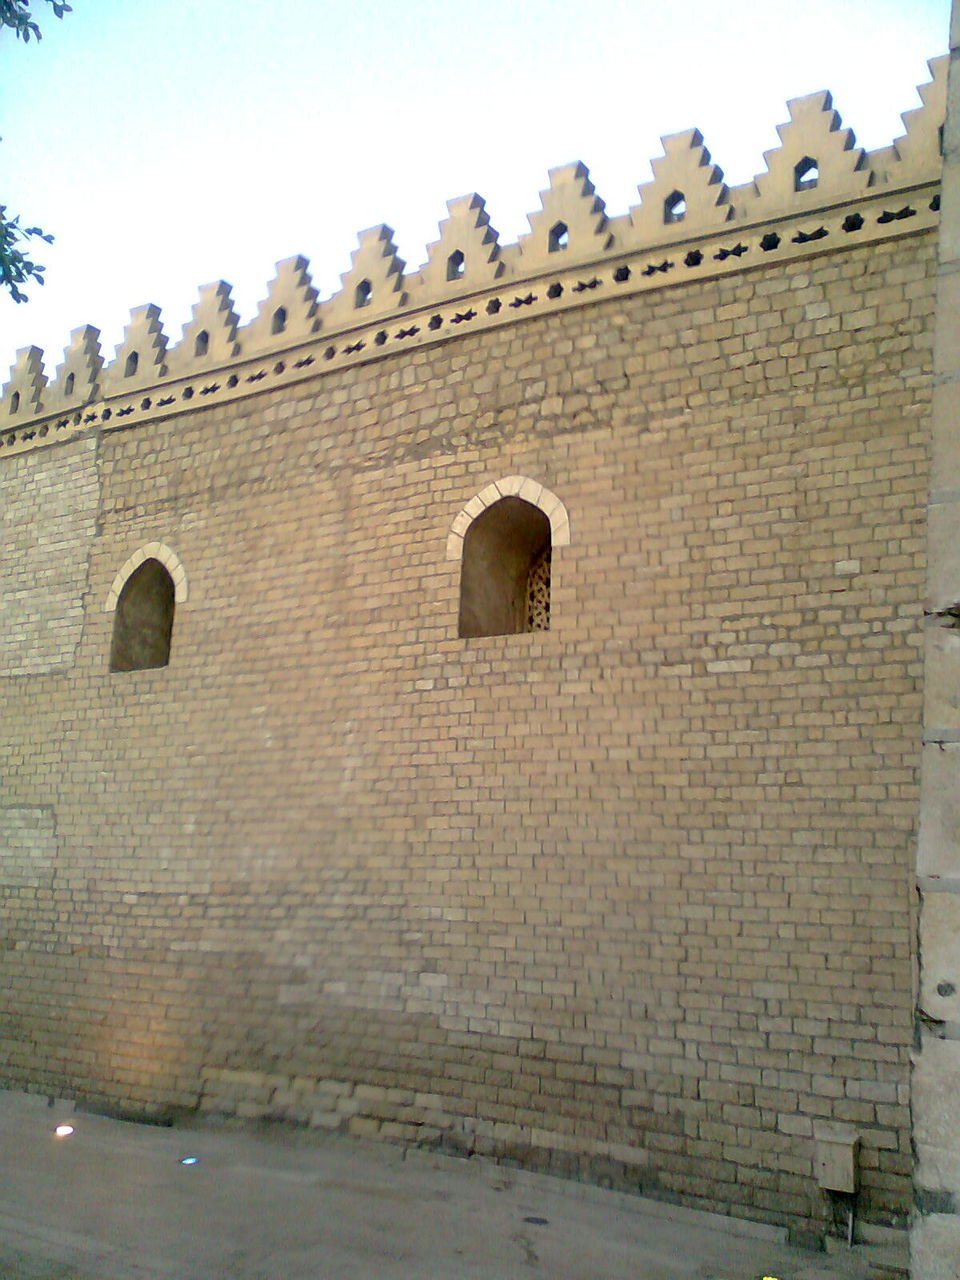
[{"x": 629, "y": 897}]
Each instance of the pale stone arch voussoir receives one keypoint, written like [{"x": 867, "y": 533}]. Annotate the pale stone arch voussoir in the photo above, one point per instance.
[
  {"x": 511, "y": 487},
  {"x": 149, "y": 551}
]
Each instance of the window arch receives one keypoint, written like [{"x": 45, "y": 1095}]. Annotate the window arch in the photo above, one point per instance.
[
  {"x": 806, "y": 174},
  {"x": 504, "y": 539},
  {"x": 143, "y": 598},
  {"x": 674, "y": 207},
  {"x": 558, "y": 237},
  {"x": 143, "y": 620}
]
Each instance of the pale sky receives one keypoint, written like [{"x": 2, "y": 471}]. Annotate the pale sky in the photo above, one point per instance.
[{"x": 170, "y": 143}]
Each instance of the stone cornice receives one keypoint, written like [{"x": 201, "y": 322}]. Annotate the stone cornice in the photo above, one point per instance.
[
  {"x": 876, "y": 219},
  {"x": 688, "y": 227}
]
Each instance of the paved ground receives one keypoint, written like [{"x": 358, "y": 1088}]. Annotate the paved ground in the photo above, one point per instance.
[{"x": 113, "y": 1202}]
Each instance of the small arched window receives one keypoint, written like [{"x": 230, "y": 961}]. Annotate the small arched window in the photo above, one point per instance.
[
  {"x": 201, "y": 346},
  {"x": 806, "y": 174},
  {"x": 69, "y": 384},
  {"x": 505, "y": 571},
  {"x": 133, "y": 362},
  {"x": 143, "y": 621},
  {"x": 558, "y": 238},
  {"x": 279, "y": 322},
  {"x": 674, "y": 207},
  {"x": 455, "y": 265},
  {"x": 15, "y": 402},
  {"x": 363, "y": 295}
]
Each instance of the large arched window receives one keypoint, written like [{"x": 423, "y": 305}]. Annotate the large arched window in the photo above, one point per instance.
[
  {"x": 505, "y": 572},
  {"x": 504, "y": 539},
  {"x": 143, "y": 621}
]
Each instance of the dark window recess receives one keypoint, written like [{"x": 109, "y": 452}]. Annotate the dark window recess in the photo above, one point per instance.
[
  {"x": 69, "y": 384},
  {"x": 770, "y": 241},
  {"x": 558, "y": 237},
  {"x": 852, "y": 222},
  {"x": 806, "y": 174},
  {"x": 675, "y": 207},
  {"x": 807, "y": 237},
  {"x": 456, "y": 265},
  {"x": 363, "y": 294},
  {"x": 621, "y": 275},
  {"x": 143, "y": 622},
  {"x": 201, "y": 346},
  {"x": 279, "y": 322},
  {"x": 505, "y": 574},
  {"x": 693, "y": 258},
  {"x": 130, "y": 368}
]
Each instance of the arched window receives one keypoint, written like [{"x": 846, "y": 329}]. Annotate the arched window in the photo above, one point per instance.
[
  {"x": 558, "y": 238},
  {"x": 505, "y": 571},
  {"x": 279, "y": 321},
  {"x": 806, "y": 174},
  {"x": 674, "y": 207},
  {"x": 201, "y": 346},
  {"x": 455, "y": 265},
  {"x": 143, "y": 622},
  {"x": 130, "y": 368},
  {"x": 15, "y": 402},
  {"x": 363, "y": 294},
  {"x": 69, "y": 384}
]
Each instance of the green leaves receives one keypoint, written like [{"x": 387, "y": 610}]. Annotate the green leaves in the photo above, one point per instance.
[
  {"x": 16, "y": 15},
  {"x": 16, "y": 268}
]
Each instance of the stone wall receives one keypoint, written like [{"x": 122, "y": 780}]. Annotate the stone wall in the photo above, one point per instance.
[
  {"x": 629, "y": 896},
  {"x": 48, "y": 510}
]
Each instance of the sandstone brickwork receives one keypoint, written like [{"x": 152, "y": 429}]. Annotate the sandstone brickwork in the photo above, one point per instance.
[{"x": 630, "y": 896}]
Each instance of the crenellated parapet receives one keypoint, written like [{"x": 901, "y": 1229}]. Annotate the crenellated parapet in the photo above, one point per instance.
[{"x": 819, "y": 192}]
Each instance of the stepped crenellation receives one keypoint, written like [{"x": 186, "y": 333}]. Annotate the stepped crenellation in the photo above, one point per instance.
[{"x": 817, "y": 168}]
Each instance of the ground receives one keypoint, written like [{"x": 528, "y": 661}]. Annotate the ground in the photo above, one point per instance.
[{"x": 114, "y": 1201}]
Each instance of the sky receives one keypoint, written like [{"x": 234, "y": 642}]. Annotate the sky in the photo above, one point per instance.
[{"x": 171, "y": 143}]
